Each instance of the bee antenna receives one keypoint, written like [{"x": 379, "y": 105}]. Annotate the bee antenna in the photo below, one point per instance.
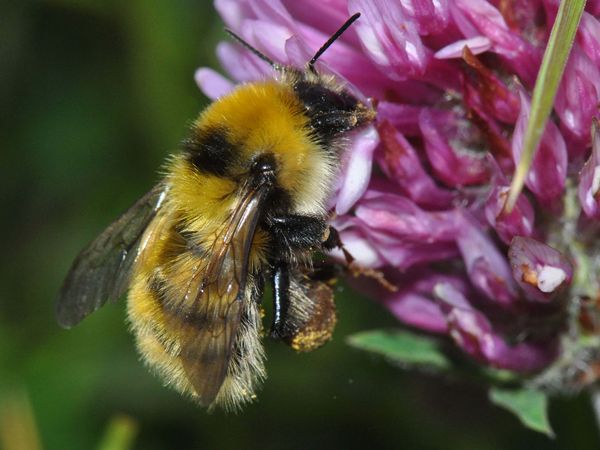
[
  {"x": 262, "y": 56},
  {"x": 331, "y": 40}
]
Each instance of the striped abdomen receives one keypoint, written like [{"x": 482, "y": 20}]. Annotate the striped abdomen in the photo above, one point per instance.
[{"x": 162, "y": 316}]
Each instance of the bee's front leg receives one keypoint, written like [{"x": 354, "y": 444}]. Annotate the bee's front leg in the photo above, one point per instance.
[
  {"x": 297, "y": 232},
  {"x": 332, "y": 240}
]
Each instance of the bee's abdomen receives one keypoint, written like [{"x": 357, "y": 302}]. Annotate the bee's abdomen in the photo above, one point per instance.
[
  {"x": 165, "y": 320},
  {"x": 155, "y": 341}
]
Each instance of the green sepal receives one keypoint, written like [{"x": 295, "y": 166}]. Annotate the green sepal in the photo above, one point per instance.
[
  {"x": 403, "y": 348},
  {"x": 529, "y": 405}
]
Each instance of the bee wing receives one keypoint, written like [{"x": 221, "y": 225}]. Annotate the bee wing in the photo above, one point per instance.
[
  {"x": 102, "y": 270},
  {"x": 213, "y": 301}
]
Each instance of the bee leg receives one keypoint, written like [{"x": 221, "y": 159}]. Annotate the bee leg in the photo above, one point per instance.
[
  {"x": 281, "y": 300},
  {"x": 332, "y": 240},
  {"x": 297, "y": 231}
]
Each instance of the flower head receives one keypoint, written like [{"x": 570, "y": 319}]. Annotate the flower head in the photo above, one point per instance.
[{"x": 422, "y": 193}]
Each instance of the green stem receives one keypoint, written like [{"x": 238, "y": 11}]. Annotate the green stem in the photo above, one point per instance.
[{"x": 546, "y": 85}]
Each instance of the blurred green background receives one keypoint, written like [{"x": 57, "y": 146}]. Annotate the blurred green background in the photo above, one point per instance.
[{"x": 93, "y": 95}]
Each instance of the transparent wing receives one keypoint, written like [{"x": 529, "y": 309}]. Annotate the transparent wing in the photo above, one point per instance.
[
  {"x": 213, "y": 301},
  {"x": 102, "y": 271}
]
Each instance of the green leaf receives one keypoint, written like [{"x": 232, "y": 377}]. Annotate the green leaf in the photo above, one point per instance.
[
  {"x": 529, "y": 405},
  {"x": 119, "y": 434},
  {"x": 546, "y": 85},
  {"x": 402, "y": 347}
]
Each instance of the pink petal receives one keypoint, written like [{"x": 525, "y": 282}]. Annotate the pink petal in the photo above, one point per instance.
[
  {"x": 593, "y": 7},
  {"x": 401, "y": 218},
  {"x": 578, "y": 96},
  {"x": 588, "y": 37},
  {"x": 269, "y": 38},
  {"x": 479, "y": 17},
  {"x": 487, "y": 268},
  {"x": 589, "y": 180},
  {"x": 323, "y": 16},
  {"x": 356, "y": 242},
  {"x": 389, "y": 38},
  {"x": 477, "y": 45},
  {"x": 404, "y": 117},
  {"x": 212, "y": 83},
  {"x": 455, "y": 168},
  {"x": 364, "y": 253},
  {"x": 401, "y": 164},
  {"x": 414, "y": 303},
  {"x": 416, "y": 310},
  {"x": 487, "y": 93},
  {"x": 474, "y": 333},
  {"x": 357, "y": 169},
  {"x": 233, "y": 12},
  {"x": 519, "y": 222},
  {"x": 431, "y": 17},
  {"x": 538, "y": 268},
  {"x": 492, "y": 132},
  {"x": 404, "y": 254},
  {"x": 298, "y": 53},
  {"x": 379, "y": 248},
  {"x": 402, "y": 233},
  {"x": 272, "y": 11},
  {"x": 240, "y": 64},
  {"x": 546, "y": 178}
]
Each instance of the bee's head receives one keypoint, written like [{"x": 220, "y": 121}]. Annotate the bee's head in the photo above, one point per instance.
[{"x": 332, "y": 110}]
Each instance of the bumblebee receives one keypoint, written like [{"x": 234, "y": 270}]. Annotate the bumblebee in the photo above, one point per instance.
[{"x": 242, "y": 204}]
